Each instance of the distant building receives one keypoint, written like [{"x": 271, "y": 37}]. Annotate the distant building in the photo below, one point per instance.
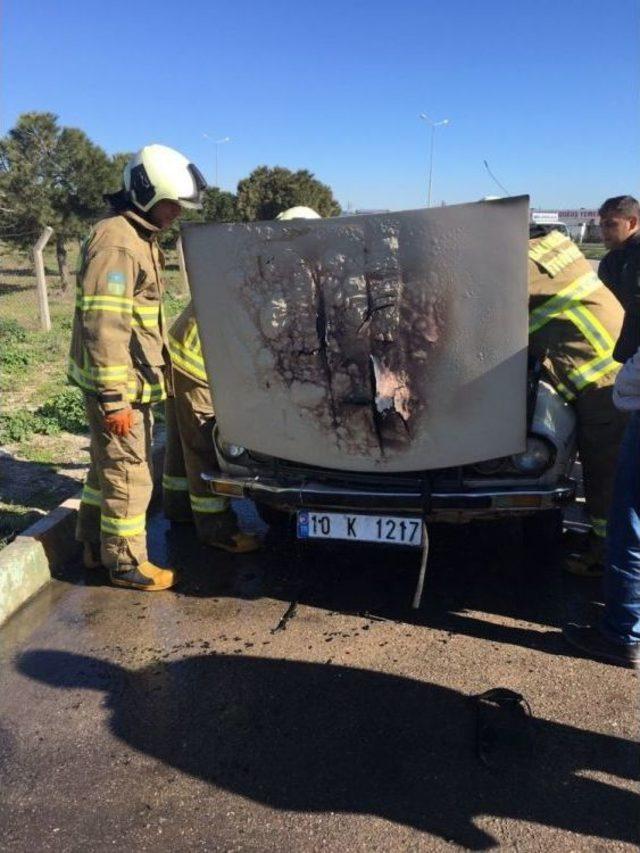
[
  {"x": 582, "y": 223},
  {"x": 363, "y": 211}
]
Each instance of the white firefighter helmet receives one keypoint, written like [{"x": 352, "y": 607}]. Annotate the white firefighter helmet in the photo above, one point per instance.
[
  {"x": 298, "y": 213},
  {"x": 157, "y": 172}
]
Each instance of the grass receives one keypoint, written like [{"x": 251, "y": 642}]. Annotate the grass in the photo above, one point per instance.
[
  {"x": 62, "y": 413},
  {"x": 593, "y": 251}
]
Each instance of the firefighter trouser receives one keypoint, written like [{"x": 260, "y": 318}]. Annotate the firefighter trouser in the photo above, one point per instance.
[
  {"x": 175, "y": 487},
  {"x": 118, "y": 488},
  {"x": 189, "y": 452},
  {"x": 600, "y": 430}
]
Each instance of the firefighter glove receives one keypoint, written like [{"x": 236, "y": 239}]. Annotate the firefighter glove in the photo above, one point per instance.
[{"x": 120, "y": 422}]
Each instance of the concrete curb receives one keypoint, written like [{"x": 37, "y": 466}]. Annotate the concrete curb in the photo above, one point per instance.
[
  {"x": 29, "y": 562},
  {"x": 26, "y": 565}
]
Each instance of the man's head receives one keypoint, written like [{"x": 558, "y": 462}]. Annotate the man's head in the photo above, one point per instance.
[
  {"x": 619, "y": 219},
  {"x": 159, "y": 182},
  {"x": 164, "y": 213}
]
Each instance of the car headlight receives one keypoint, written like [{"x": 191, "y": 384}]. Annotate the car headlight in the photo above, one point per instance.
[
  {"x": 538, "y": 457},
  {"x": 490, "y": 467},
  {"x": 231, "y": 451}
]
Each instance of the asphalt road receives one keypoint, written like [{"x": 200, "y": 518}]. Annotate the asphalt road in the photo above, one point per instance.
[{"x": 292, "y": 700}]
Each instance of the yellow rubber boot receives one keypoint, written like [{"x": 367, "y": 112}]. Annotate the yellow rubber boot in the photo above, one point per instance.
[
  {"x": 146, "y": 576},
  {"x": 237, "y": 543}
]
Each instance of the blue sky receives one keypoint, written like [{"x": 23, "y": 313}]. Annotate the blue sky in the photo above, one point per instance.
[{"x": 546, "y": 91}]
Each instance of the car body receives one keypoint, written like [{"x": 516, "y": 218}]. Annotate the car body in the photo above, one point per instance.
[{"x": 520, "y": 484}]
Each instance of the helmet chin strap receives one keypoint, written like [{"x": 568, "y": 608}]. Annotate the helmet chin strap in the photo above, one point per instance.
[
  {"x": 143, "y": 214},
  {"x": 121, "y": 201}
]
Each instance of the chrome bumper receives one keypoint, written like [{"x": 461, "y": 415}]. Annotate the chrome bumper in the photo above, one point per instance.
[{"x": 457, "y": 505}]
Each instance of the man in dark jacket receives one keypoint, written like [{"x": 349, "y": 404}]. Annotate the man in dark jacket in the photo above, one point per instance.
[
  {"x": 616, "y": 638},
  {"x": 620, "y": 268}
]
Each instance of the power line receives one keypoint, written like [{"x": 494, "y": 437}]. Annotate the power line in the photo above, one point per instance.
[{"x": 493, "y": 177}]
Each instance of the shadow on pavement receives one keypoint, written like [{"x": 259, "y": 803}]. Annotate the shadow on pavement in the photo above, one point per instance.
[{"x": 318, "y": 738}]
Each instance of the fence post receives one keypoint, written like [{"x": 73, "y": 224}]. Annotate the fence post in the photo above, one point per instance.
[
  {"x": 181, "y": 264},
  {"x": 41, "y": 281}
]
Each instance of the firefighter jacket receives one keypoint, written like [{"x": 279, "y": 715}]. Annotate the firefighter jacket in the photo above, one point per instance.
[
  {"x": 119, "y": 349},
  {"x": 574, "y": 320},
  {"x": 184, "y": 345},
  {"x": 620, "y": 271}
]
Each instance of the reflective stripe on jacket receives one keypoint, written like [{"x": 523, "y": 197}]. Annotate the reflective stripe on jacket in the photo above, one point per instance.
[
  {"x": 574, "y": 321},
  {"x": 119, "y": 349},
  {"x": 185, "y": 348}
]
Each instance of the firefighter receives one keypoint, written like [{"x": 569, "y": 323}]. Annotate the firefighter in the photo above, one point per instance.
[
  {"x": 119, "y": 357},
  {"x": 574, "y": 322},
  {"x": 190, "y": 450}
]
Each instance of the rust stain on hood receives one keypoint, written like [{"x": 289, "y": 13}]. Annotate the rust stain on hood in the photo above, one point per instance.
[{"x": 362, "y": 343}]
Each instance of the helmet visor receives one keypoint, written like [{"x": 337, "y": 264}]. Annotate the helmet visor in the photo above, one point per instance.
[{"x": 194, "y": 201}]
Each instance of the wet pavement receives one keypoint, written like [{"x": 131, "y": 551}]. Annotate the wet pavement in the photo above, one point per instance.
[{"x": 292, "y": 699}]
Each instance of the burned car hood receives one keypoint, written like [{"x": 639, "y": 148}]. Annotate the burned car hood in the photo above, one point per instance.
[{"x": 390, "y": 342}]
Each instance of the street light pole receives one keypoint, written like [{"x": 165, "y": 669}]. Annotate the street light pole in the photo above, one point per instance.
[
  {"x": 217, "y": 142},
  {"x": 433, "y": 124},
  {"x": 433, "y": 142}
]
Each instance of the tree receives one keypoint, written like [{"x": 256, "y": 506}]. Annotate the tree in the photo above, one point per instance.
[
  {"x": 51, "y": 176},
  {"x": 268, "y": 191},
  {"x": 118, "y": 162},
  {"x": 220, "y": 206}
]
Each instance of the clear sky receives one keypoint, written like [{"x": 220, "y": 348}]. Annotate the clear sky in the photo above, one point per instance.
[{"x": 546, "y": 91}]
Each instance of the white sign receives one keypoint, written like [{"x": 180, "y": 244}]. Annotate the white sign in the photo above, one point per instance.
[
  {"x": 544, "y": 217},
  {"x": 582, "y": 214}
]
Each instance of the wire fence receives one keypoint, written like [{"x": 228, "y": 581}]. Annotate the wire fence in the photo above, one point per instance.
[
  {"x": 18, "y": 287},
  {"x": 31, "y": 234}
]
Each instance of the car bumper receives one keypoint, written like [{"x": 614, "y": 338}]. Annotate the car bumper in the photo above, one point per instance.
[{"x": 442, "y": 505}]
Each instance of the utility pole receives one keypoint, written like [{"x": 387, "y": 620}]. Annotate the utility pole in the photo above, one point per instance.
[{"x": 433, "y": 124}]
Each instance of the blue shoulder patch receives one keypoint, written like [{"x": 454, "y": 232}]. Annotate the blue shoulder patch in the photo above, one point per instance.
[{"x": 116, "y": 283}]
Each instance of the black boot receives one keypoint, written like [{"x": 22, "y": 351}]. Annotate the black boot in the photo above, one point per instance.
[{"x": 592, "y": 641}]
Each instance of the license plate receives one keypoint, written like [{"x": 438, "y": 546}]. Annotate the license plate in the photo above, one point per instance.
[{"x": 387, "y": 529}]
